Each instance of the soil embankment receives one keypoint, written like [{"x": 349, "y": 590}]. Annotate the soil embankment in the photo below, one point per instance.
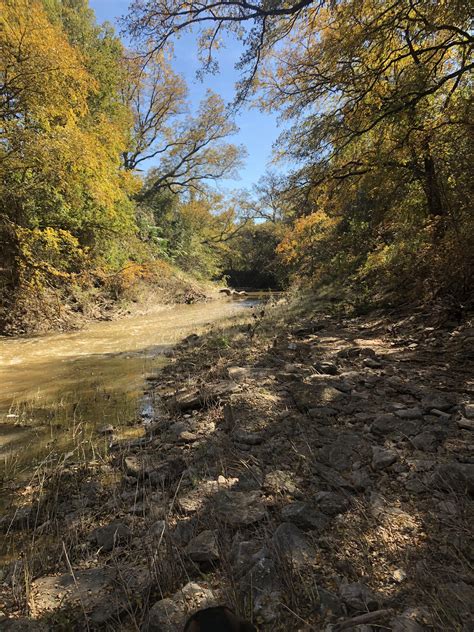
[{"x": 307, "y": 469}]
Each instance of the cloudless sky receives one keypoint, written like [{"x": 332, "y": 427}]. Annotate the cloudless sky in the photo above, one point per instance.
[{"x": 258, "y": 130}]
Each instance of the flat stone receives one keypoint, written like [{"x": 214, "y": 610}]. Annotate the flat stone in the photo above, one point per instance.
[
  {"x": 244, "y": 555},
  {"x": 359, "y": 597},
  {"x": 361, "y": 479},
  {"x": 280, "y": 482},
  {"x": 382, "y": 458},
  {"x": 94, "y": 591},
  {"x": 409, "y": 413},
  {"x": 465, "y": 424},
  {"x": 109, "y": 536},
  {"x": 169, "y": 615},
  {"x": 391, "y": 424},
  {"x": 203, "y": 548},
  {"x": 262, "y": 582},
  {"x": 293, "y": 546},
  {"x": 239, "y": 508},
  {"x": 425, "y": 441},
  {"x": 458, "y": 477},
  {"x": 343, "y": 450},
  {"x": 305, "y": 516},
  {"x": 311, "y": 396},
  {"x": 331, "y": 503},
  {"x": 329, "y": 603},
  {"x": 195, "y": 499}
]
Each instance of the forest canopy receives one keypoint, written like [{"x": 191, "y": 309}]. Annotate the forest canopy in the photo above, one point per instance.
[
  {"x": 377, "y": 96},
  {"x": 106, "y": 166}
]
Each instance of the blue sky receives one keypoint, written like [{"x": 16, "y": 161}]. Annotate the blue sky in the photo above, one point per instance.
[{"x": 258, "y": 130}]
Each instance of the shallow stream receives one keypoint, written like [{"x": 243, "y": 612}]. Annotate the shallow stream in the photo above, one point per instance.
[{"x": 58, "y": 390}]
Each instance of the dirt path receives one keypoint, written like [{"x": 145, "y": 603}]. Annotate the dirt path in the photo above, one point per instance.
[{"x": 313, "y": 472}]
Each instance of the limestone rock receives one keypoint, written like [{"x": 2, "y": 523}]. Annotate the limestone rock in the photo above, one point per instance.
[
  {"x": 331, "y": 503},
  {"x": 359, "y": 597},
  {"x": 203, "y": 548},
  {"x": 458, "y": 477},
  {"x": 239, "y": 508},
  {"x": 169, "y": 615},
  {"x": 305, "y": 516},
  {"x": 280, "y": 482},
  {"x": 110, "y": 535},
  {"x": 293, "y": 546},
  {"x": 382, "y": 458}
]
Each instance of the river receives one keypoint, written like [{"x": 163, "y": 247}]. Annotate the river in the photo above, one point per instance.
[{"x": 58, "y": 390}]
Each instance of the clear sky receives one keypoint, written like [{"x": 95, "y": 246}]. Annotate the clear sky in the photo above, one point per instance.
[{"x": 258, "y": 131}]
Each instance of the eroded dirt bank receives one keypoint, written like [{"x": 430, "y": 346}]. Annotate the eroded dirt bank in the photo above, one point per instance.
[{"x": 314, "y": 472}]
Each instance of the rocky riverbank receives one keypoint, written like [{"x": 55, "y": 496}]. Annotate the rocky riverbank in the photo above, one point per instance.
[{"x": 313, "y": 471}]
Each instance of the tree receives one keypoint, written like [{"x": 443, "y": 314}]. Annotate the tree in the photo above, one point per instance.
[
  {"x": 156, "y": 96},
  {"x": 441, "y": 27},
  {"x": 62, "y": 193},
  {"x": 259, "y": 24},
  {"x": 198, "y": 152}
]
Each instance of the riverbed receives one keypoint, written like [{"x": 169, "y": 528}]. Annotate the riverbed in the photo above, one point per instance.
[{"x": 65, "y": 394}]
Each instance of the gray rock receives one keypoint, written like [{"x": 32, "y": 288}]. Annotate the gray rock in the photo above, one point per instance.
[
  {"x": 382, "y": 458},
  {"x": 244, "y": 555},
  {"x": 331, "y": 503},
  {"x": 465, "y": 424},
  {"x": 169, "y": 615},
  {"x": 458, "y": 477},
  {"x": 409, "y": 413},
  {"x": 262, "y": 584},
  {"x": 88, "y": 588},
  {"x": 359, "y": 597},
  {"x": 203, "y": 548},
  {"x": 280, "y": 482},
  {"x": 239, "y": 508},
  {"x": 249, "y": 438},
  {"x": 305, "y": 516},
  {"x": 390, "y": 424},
  {"x": 329, "y": 603},
  {"x": 425, "y": 441},
  {"x": 109, "y": 536},
  {"x": 361, "y": 480},
  {"x": 346, "y": 448},
  {"x": 469, "y": 411},
  {"x": 438, "y": 401},
  {"x": 293, "y": 546}
]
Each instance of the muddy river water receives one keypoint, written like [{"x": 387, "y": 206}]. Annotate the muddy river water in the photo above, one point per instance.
[{"x": 58, "y": 390}]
